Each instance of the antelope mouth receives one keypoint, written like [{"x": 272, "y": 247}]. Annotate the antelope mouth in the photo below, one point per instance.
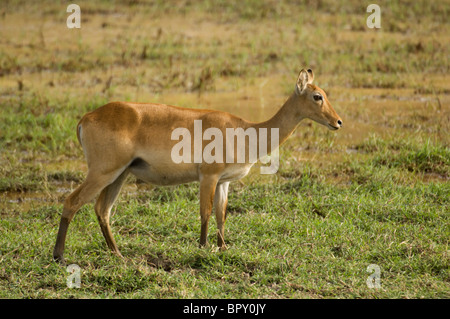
[{"x": 333, "y": 128}]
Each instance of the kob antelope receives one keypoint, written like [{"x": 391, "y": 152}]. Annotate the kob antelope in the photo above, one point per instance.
[{"x": 121, "y": 138}]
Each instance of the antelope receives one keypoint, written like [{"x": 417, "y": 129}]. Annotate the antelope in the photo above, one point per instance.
[{"x": 120, "y": 138}]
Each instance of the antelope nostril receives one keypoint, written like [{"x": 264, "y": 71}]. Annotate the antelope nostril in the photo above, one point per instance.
[{"x": 339, "y": 122}]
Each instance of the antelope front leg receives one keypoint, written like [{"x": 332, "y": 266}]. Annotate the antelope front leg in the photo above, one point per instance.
[
  {"x": 207, "y": 189},
  {"x": 220, "y": 208}
]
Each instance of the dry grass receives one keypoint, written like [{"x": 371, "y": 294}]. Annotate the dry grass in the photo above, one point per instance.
[{"x": 374, "y": 192}]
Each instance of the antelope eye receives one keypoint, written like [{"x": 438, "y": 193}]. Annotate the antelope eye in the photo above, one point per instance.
[{"x": 318, "y": 97}]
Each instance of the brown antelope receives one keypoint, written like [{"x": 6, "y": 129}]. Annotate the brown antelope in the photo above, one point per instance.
[{"x": 121, "y": 138}]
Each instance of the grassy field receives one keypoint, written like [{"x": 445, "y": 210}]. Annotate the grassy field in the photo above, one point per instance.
[{"x": 375, "y": 192}]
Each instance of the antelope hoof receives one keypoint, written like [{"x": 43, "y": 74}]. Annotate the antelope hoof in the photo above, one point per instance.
[
  {"x": 118, "y": 254},
  {"x": 59, "y": 259}
]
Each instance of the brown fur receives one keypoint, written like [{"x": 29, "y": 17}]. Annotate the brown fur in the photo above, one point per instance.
[{"x": 121, "y": 138}]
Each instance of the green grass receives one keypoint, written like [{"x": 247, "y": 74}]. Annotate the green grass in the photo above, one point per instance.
[
  {"x": 301, "y": 238},
  {"x": 375, "y": 192}
]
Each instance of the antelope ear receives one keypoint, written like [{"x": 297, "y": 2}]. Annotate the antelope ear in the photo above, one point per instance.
[
  {"x": 302, "y": 81},
  {"x": 310, "y": 76}
]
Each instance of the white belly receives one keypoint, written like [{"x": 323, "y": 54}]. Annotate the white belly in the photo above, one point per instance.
[{"x": 235, "y": 172}]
